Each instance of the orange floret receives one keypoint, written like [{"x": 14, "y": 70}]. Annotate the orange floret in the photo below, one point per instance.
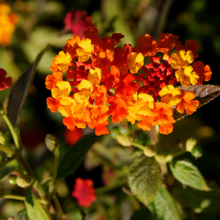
[
  {"x": 69, "y": 122},
  {"x": 163, "y": 116},
  {"x": 135, "y": 62},
  {"x": 53, "y": 104},
  {"x": 167, "y": 42},
  {"x": 52, "y": 80},
  {"x": 170, "y": 95},
  {"x": 204, "y": 73},
  {"x": 146, "y": 123},
  {"x": 189, "y": 45},
  {"x": 61, "y": 62},
  {"x": 181, "y": 59},
  {"x": 71, "y": 46},
  {"x": 187, "y": 103},
  {"x": 147, "y": 45}
]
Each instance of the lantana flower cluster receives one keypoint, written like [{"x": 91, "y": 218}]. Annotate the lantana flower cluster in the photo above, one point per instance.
[
  {"x": 8, "y": 21},
  {"x": 107, "y": 82}
]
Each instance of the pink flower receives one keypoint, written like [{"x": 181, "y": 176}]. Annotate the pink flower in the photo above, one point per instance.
[
  {"x": 77, "y": 22},
  {"x": 84, "y": 192}
]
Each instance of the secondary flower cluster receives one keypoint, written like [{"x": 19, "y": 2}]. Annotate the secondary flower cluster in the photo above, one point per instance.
[
  {"x": 5, "y": 83},
  {"x": 104, "y": 81},
  {"x": 8, "y": 21}
]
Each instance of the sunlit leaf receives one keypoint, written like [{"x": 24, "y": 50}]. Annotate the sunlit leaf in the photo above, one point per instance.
[
  {"x": 75, "y": 155},
  {"x": 164, "y": 207},
  {"x": 20, "y": 90},
  {"x": 34, "y": 209},
  {"x": 188, "y": 174},
  {"x": 144, "y": 178},
  {"x": 203, "y": 93}
]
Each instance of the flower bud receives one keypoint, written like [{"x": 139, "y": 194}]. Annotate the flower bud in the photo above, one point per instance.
[
  {"x": 124, "y": 140},
  {"x": 2, "y": 138},
  {"x": 150, "y": 150},
  {"x": 24, "y": 181},
  {"x": 12, "y": 179},
  {"x": 2, "y": 193},
  {"x": 124, "y": 130},
  {"x": 190, "y": 143},
  {"x": 197, "y": 151},
  {"x": 114, "y": 132},
  {"x": 51, "y": 142}
]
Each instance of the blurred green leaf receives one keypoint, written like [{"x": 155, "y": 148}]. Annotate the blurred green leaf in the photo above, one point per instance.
[
  {"x": 188, "y": 174},
  {"x": 204, "y": 94},
  {"x": 144, "y": 178},
  {"x": 21, "y": 215},
  {"x": 20, "y": 90},
  {"x": 164, "y": 207},
  {"x": 34, "y": 209},
  {"x": 75, "y": 155}
]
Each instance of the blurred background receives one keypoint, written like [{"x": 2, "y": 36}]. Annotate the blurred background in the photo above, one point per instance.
[{"x": 42, "y": 21}]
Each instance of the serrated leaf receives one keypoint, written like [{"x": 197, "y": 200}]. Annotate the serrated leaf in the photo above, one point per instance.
[
  {"x": 188, "y": 174},
  {"x": 144, "y": 178},
  {"x": 203, "y": 93},
  {"x": 75, "y": 155},
  {"x": 34, "y": 209},
  {"x": 20, "y": 90},
  {"x": 164, "y": 207}
]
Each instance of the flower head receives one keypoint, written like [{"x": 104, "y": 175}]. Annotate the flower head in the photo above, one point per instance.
[
  {"x": 84, "y": 192},
  {"x": 106, "y": 81}
]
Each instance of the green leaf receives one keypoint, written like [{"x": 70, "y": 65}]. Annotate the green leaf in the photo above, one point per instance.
[
  {"x": 164, "y": 207},
  {"x": 21, "y": 215},
  {"x": 188, "y": 174},
  {"x": 203, "y": 93},
  {"x": 144, "y": 178},
  {"x": 20, "y": 90},
  {"x": 34, "y": 209},
  {"x": 75, "y": 155}
]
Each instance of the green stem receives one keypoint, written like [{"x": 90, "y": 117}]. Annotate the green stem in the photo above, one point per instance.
[
  {"x": 176, "y": 154},
  {"x": 2, "y": 165},
  {"x": 29, "y": 171},
  {"x": 7, "y": 150},
  {"x": 14, "y": 134},
  {"x": 55, "y": 168},
  {"x": 138, "y": 146},
  {"x": 22, "y": 198},
  {"x": 59, "y": 211},
  {"x": 154, "y": 135}
]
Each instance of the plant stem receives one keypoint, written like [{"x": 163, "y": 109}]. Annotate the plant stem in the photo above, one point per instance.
[
  {"x": 138, "y": 146},
  {"x": 7, "y": 150},
  {"x": 59, "y": 210},
  {"x": 154, "y": 135},
  {"x": 176, "y": 154},
  {"x": 55, "y": 168},
  {"x": 22, "y": 198},
  {"x": 14, "y": 134}
]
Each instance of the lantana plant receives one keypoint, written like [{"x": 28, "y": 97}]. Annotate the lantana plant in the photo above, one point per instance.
[{"x": 133, "y": 93}]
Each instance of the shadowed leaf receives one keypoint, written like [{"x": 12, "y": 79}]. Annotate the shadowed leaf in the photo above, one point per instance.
[
  {"x": 164, "y": 207},
  {"x": 20, "y": 90},
  {"x": 203, "y": 93},
  {"x": 144, "y": 178},
  {"x": 34, "y": 209},
  {"x": 188, "y": 174},
  {"x": 21, "y": 215},
  {"x": 75, "y": 155}
]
